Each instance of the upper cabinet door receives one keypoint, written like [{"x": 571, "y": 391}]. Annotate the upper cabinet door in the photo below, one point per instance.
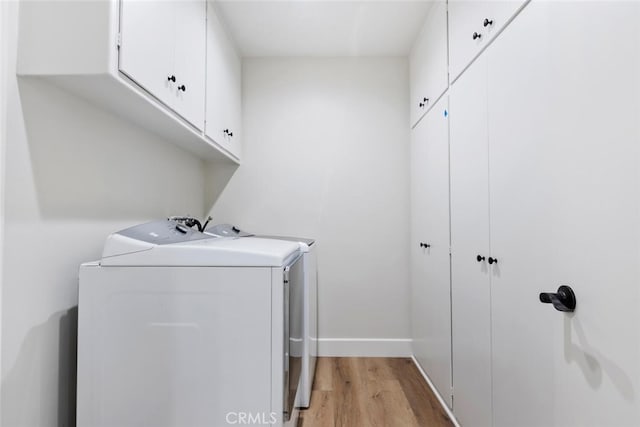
[
  {"x": 190, "y": 62},
  {"x": 224, "y": 74},
  {"x": 147, "y": 46},
  {"x": 428, "y": 62},
  {"x": 472, "y": 25},
  {"x": 163, "y": 50},
  {"x": 465, "y": 33}
]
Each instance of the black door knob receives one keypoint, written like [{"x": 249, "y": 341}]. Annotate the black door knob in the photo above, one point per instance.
[
  {"x": 492, "y": 260},
  {"x": 228, "y": 132},
  {"x": 563, "y": 300},
  {"x": 480, "y": 258},
  {"x": 171, "y": 78},
  {"x": 424, "y": 102},
  {"x": 182, "y": 88},
  {"x": 424, "y": 245},
  {"x": 477, "y": 36},
  {"x": 487, "y": 22}
]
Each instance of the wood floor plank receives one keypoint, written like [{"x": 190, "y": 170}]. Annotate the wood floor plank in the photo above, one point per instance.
[
  {"x": 324, "y": 376},
  {"x": 348, "y": 389},
  {"x": 371, "y": 392},
  {"x": 424, "y": 403},
  {"x": 323, "y": 413},
  {"x": 386, "y": 405},
  {"x": 378, "y": 368}
]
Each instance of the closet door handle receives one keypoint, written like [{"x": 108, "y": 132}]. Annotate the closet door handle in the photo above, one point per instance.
[
  {"x": 487, "y": 22},
  {"x": 492, "y": 260},
  {"x": 480, "y": 258},
  {"x": 476, "y": 36},
  {"x": 563, "y": 300}
]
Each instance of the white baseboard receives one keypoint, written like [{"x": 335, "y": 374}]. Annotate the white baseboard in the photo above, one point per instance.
[
  {"x": 364, "y": 347},
  {"x": 433, "y": 389}
]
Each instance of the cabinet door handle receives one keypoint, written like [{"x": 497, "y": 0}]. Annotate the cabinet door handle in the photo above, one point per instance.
[
  {"x": 424, "y": 102},
  {"x": 563, "y": 300},
  {"x": 182, "y": 88},
  {"x": 477, "y": 36},
  {"x": 492, "y": 260},
  {"x": 480, "y": 258},
  {"x": 424, "y": 245},
  {"x": 228, "y": 132},
  {"x": 171, "y": 78},
  {"x": 487, "y": 22}
]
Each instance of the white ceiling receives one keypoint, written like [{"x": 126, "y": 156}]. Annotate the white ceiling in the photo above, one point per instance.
[{"x": 323, "y": 28}]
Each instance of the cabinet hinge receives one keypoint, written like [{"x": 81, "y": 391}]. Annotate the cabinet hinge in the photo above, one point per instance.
[{"x": 119, "y": 39}]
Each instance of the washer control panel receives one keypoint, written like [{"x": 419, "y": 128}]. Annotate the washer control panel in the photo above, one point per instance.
[{"x": 163, "y": 232}]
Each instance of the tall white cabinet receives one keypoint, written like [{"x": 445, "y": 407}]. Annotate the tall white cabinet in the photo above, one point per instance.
[
  {"x": 431, "y": 312},
  {"x": 564, "y": 122},
  {"x": 470, "y": 248},
  {"x": 545, "y": 184}
]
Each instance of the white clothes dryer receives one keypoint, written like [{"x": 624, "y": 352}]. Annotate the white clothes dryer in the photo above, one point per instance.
[{"x": 310, "y": 305}]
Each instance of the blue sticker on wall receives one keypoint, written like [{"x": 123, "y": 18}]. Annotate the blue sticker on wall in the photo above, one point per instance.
[{"x": 446, "y": 113}]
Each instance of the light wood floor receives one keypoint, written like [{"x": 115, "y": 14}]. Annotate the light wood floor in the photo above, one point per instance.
[{"x": 371, "y": 392}]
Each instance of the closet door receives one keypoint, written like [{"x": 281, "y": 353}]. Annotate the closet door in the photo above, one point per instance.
[
  {"x": 470, "y": 284},
  {"x": 565, "y": 201},
  {"x": 419, "y": 253},
  {"x": 430, "y": 247}
]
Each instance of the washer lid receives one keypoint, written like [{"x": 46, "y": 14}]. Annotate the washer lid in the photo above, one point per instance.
[{"x": 137, "y": 247}]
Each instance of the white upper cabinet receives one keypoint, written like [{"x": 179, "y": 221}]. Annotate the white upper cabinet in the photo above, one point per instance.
[
  {"x": 428, "y": 63},
  {"x": 145, "y": 61},
  {"x": 472, "y": 25},
  {"x": 190, "y": 60},
  {"x": 224, "y": 87},
  {"x": 162, "y": 49}
]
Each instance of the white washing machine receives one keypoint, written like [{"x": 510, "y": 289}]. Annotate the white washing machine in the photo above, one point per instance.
[
  {"x": 310, "y": 304},
  {"x": 176, "y": 328}
]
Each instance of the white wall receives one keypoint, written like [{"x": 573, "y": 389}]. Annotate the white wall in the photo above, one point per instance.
[
  {"x": 73, "y": 174},
  {"x": 3, "y": 116},
  {"x": 326, "y": 156}
]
